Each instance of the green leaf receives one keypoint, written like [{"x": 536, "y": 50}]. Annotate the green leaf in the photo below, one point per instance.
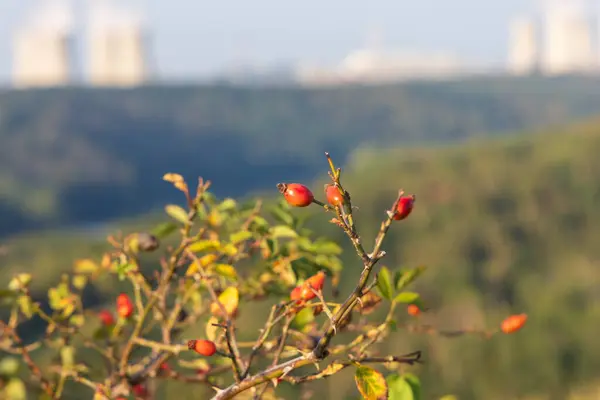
[
  {"x": 67, "y": 356},
  {"x": 26, "y": 306},
  {"x": 415, "y": 384},
  {"x": 327, "y": 248},
  {"x": 204, "y": 246},
  {"x": 15, "y": 390},
  {"x": 77, "y": 320},
  {"x": 449, "y": 397},
  {"x": 20, "y": 281},
  {"x": 282, "y": 231},
  {"x": 282, "y": 216},
  {"x": 240, "y": 237},
  {"x": 260, "y": 225},
  {"x": 163, "y": 230},
  {"x": 371, "y": 383},
  {"x": 227, "y": 205},
  {"x": 271, "y": 246},
  {"x": 177, "y": 213},
  {"x": 399, "y": 388},
  {"x": 405, "y": 278},
  {"x": 226, "y": 270},
  {"x": 384, "y": 283},
  {"x": 407, "y": 298},
  {"x": 303, "y": 318},
  {"x": 124, "y": 269}
]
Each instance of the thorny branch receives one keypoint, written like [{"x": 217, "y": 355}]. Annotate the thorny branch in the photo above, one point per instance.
[
  {"x": 346, "y": 221},
  {"x": 123, "y": 372}
]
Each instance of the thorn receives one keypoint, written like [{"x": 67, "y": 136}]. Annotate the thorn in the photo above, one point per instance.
[{"x": 359, "y": 300}]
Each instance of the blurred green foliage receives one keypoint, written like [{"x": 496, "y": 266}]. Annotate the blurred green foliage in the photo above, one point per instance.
[{"x": 75, "y": 156}]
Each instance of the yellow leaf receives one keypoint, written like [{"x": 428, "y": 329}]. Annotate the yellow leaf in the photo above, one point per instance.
[
  {"x": 177, "y": 213},
  {"x": 211, "y": 330},
  {"x": 85, "y": 266},
  {"x": 226, "y": 270},
  {"x": 371, "y": 383},
  {"x": 181, "y": 186},
  {"x": 172, "y": 177},
  {"x": 230, "y": 299},
  {"x": 229, "y": 250},
  {"x": 215, "y": 218},
  {"x": 332, "y": 369},
  {"x": 204, "y": 245},
  {"x": 79, "y": 281},
  {"x": 202, "y": 262},
  {"x": 19, "y": 282}
]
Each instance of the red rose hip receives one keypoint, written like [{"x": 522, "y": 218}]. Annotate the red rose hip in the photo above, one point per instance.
[
  {"x": 304, "y": 292},
  {"x": 124, "y": 306},
  {"x": 513, "y": 323},
  {"x": 405, "y": 207},
  {"x": 296, "y": 194},
  {"x": 413, "y": 310},
  {"x": 106, "y": 317},
  {"x": 334, "y": 195},
  {"x": 203, "y": 347}
]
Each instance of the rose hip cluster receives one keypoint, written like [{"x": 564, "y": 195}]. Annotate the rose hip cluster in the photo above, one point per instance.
[{"x": 298, "y": 195}]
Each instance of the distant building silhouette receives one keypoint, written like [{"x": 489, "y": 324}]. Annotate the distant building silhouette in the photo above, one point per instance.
[
  {"x": 117, "y": 56},
  {"x": 116, "y": 45},
  {"x": 524, "y": 47},
  {"x": 562, "y": 41},
  {"x": 42, "y": 48}
]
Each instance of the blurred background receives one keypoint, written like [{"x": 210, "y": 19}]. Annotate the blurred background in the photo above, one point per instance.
[{"x": 488, "y": 111}]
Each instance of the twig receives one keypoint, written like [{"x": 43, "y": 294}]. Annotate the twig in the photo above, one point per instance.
[{"x": 35, "y": 370}]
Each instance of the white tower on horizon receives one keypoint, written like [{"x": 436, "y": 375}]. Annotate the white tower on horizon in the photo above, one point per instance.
[
  {"x": 524, "y": 48},
  {"x": 42, "y": 46},
  {"x": 117, "y": 45},
  {"x": 569, "y": 44}
]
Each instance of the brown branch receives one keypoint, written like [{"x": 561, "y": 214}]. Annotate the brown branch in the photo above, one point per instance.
[
  {"x": 352, "y": 300},
  {"x": 336, "y": 366},
  {"x": 35, "y": 370}
]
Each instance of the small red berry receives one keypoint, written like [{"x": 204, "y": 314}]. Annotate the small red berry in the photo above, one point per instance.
[
  {"x": 303, "y": 292},
  {"x": 295, "y": 194},
  {"x": 124, "y": 306},
  {"x": 106, "y": 317},
  {"x": 165, "y": 367},
  {"x": 405, "y": 206},
  {"x": 296, "y": 293},
  {"x": 513, "y": 323},
  {"x": 140, "y": 390},
  {"x": 413, "y": 310},
  {"x": 334, "y": 195},
  {"x": 203, "y": 347}
]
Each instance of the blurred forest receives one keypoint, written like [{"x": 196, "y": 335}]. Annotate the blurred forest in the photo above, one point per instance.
[
  {"x": 74, "y": 156},
  {"x": 505, "y": 225}
]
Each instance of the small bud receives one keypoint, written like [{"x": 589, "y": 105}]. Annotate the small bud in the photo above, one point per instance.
[{"x": 147, "y": 242}]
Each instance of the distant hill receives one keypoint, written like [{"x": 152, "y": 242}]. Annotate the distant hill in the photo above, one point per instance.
[
  {"x": 505, "y": 226},
  {"x": 72, "y": 156}
]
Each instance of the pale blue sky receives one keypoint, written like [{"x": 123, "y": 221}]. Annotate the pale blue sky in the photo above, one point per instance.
[{"x": 194, "y": 37}]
